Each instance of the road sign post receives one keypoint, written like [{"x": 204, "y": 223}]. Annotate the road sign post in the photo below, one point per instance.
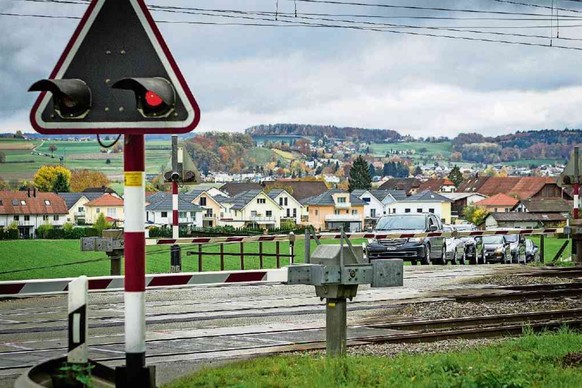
[{"x": 117, "y": 76}]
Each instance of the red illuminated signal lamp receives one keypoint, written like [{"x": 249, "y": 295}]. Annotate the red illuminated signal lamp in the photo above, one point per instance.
[{"x": 153, "y": 99}]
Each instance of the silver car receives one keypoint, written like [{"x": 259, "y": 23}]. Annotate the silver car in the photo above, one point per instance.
[{"x": 455, "y": 247}]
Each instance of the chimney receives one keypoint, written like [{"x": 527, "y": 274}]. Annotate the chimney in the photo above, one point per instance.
[
  {"x": 34, "y": 192},
  {"x": 28, "y": 190}
]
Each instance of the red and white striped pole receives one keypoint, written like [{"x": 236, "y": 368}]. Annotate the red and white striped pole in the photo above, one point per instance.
[
  {"x": 134, "y": 236},
  {"x": 175, "y": 218},
  {"x": 576, "y": 186}
]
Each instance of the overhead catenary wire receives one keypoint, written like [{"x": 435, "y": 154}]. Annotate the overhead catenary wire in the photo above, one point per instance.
[{"x": 246, "y": 15}]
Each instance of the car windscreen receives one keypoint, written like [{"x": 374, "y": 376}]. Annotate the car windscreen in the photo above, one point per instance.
[
  {"x": 512, "y": 237},
  {"x": 403, "y": 222},
  {"x": 492, "y": 239}
]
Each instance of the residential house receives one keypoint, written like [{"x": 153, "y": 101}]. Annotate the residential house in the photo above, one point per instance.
[
  {"x": 377, "y": 203},
  {"x": 233, "y": 188},
  {"x": 335, "y": 209},
  {"x": 291, "y": 209},
  {"x": 518, "y": 187},
  {"x": 461, "y": 201},
  {"x": 425, "y": 202},
  {"x": 76, "y": 205},
  {"x": 212, "y": 209},
  {"x": 544, "y": 206},
  {"x": 499, "y": 203},
  {"x": 409, "y": 185},
  {"x": 441, "y": 185},
  {"x": 250, "y": 208},
  {"x": 299, "y": 189},
  {"x": 524, "y": 220},
  {"x": 108, "y": 204},
  {"x": 159, "y": 210},
  {"x": 31, "y": 209}
]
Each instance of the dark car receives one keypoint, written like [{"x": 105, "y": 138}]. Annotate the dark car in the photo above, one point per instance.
[
  {"x": 423, "y": 249},
  {"x": 497, "y": 249},
  {"x": 531, "y": 251}
]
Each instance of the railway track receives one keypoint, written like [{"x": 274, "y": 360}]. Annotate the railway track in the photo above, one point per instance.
[{"x": 294, "y": 339}]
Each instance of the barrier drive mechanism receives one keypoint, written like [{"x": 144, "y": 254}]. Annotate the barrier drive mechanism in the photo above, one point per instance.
[{"x": 336, "y": 270}]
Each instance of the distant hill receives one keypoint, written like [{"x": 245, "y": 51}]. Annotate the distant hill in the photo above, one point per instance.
[{"x": 330, "y": 131}]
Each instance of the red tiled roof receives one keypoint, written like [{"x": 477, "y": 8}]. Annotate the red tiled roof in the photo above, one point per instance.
[
  {"x": 19, "y": 202},
  {"x": 496, "y": 184},
  {"x": 106, "y": 200},
  {"x": 434, "y": 184},
  {"x": 302, "y": 189},
  {"x": 498, "y": 200},
  {"x": 527, "y": 187}
]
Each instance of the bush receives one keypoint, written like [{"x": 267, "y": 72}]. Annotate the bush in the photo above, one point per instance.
[
  {"x": 90, "y": 232},
  {"x": 43, "y": 230},
  {"x": 56, "y": 234},
  {"x": 12, "y": 234}
]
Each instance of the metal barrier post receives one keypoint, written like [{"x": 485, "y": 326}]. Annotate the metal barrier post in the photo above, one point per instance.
[
  {"x": 175, "y": 258},
  {"x": 292, "y": 247},
  {"x": 307, "y": 251},
  {"x": 222, "y": 257},
  {"x": 242, "y": 256},
  {"x": 335, "y": 327},
  {"x": 542, "y": 248},
  {"x": 277, "y": 253},
  {"x": 199, "y": 257},
  {"x": 260, "y": 255}
]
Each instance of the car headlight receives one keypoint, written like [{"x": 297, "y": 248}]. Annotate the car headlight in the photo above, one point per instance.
[
  {"x": 498, "y": 250},
  {"x": 372, "y": 241},
  {"x": 416, "y": 240}
]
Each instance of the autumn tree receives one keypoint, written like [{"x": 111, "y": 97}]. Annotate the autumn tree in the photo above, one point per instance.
[
  {"x": 4, "y": 185},
  {"x": 456, "y": 176},
  {"x": 82, "y": 179},
  {"x": 52, "y": 148},
  {"x": 359, "y": 175},
  {"x": 475, "y": 214},
  {"x": 46, "y": 177}
]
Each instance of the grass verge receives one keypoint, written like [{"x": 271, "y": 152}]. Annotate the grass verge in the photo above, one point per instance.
[{"x": 547, "y": 360}]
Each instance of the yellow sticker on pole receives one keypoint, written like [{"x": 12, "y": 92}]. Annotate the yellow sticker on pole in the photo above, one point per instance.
[{"x": 133, "y": 178}]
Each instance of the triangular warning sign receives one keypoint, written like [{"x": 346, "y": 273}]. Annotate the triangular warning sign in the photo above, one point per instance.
[{"x": 117, "y": 40}]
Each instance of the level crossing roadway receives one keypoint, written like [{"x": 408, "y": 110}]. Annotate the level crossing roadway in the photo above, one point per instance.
[{"x": 188, "y": 327}]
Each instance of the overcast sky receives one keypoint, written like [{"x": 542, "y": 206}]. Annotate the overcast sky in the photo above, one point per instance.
[{"x": 417, "y": 85}]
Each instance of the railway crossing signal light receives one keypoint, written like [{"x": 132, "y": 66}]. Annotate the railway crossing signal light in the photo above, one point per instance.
[
  {"x": 71, "y": 98},
  {"x": 155, "y": 97}
]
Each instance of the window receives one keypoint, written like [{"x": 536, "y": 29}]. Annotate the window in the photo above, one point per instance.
[
  {"x": 47, "y": 202},
  {"x": 26, "y": 218},
  {"x": 341, "y": 200},
  {"x": 193, "y": 214},
  {"x": 202, "y": 201},
  {"x": 393, "y": 210},
  {"x": 288, "y": 212},
  {"x": 253, "y": 213},
  {"x": 286, "y": 203},
  {"x": 81, "y": 209},
  {"x": 316, "y": 212},
  {"x": 507, "y": 210},
  {"x": 16, "y": 218},
  {"x": 269, "y": 213},
  {"x": 354, "y": 212},
  {"x": 336, "y": 212},
  {"x": 164, "y": 214},
  {"x": 45, "y": 218},
  {"x": 280, "y": 201},
  {"x": 419, "y": 210},
  {"x": 367, "y": 200},
  {"x": 372, "y": 212},
  {"x": 261, "y": 200},
  {"x": 111, "y": 212},
  {"x": 97, "y": 210},
  {"x": 294, "y": 212},
  {"x": 406, "y": 210},
  {"x": 23, "y": 202},
  {"x": 431, "y": 210},
  {"x": 56, "y": 217}
]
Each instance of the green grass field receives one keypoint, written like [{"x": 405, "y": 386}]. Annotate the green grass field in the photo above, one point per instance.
[
  {"x": 22, "y": 162},
  {"x": 534, "y": 361},
  {"x": 445, "y": 149},
  {"x": 44, "y": 259}
]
